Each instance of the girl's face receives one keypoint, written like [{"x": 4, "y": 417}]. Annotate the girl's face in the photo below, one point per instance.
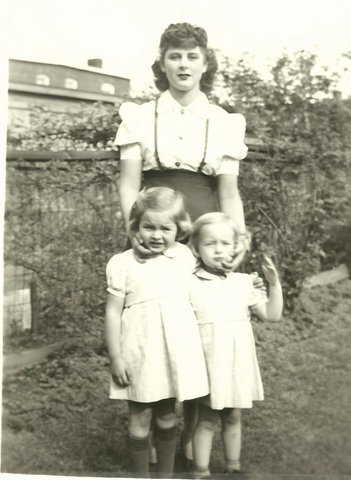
[
  {"x": 216, "y": 244},
  {"x": 157, "y": 230},
  {"x": 184, "y": 68}
]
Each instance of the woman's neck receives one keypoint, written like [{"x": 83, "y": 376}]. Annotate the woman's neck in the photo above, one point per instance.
[{"x": 185, "y": 98}]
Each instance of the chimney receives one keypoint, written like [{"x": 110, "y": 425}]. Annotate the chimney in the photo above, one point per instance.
[{"x": 95, "y": 62}]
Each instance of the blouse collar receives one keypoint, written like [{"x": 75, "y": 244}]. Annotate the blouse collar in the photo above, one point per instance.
[
  {"x": 206, "y": 275},
  {"x": 171, "y": 252},
  {"x": 199, "y": 106}
]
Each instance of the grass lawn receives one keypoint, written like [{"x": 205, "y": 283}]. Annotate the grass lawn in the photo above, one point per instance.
[{"x": 57, "y": 418}]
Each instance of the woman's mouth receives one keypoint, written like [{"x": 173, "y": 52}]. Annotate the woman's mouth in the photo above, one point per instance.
[{"x": 183, "y": 76}]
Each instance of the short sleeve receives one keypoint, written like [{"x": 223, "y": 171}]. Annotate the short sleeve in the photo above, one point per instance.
[
  {"x": 234, "y": 139},
  {"x": 116, "y": 276},
  {"x": 128, "y": 133}
]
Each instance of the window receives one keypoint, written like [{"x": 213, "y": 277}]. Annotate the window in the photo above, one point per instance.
[
  {"x": 42, "y": 79},
  {"x": 108, "y": 88},
  {"x": 71, "y": 83}
]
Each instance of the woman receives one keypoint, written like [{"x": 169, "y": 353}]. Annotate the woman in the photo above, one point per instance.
[{"x": 182, "y": 141}]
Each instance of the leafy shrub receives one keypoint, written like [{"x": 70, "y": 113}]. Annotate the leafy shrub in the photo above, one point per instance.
[{"x": 292, "y": 200}]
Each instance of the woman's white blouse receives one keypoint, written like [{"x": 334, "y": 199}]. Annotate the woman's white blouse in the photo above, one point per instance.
[{"x": 181, "y": 135}]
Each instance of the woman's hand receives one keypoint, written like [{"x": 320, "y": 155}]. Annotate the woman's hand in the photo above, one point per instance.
[
  {"x": 119, "y": 372},
  {"x": 242, "y": 246},
  {"x": 141, "y": 250},
  {"x": 258, "y": 282},
  {"x": 269, "y": 271}
]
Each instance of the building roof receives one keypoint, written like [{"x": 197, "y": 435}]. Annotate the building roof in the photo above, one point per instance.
[{"x": 85, "y": 68}]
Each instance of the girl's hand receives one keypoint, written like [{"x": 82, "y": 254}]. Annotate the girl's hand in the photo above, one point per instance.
[
  {"x": 119, "y": 372},
  {"x": 269, "y": 271},
  {"x": 258, "y": 282}
]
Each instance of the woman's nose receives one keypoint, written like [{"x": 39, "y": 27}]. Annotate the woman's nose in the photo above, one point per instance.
[{"x": 183, "y": 61}]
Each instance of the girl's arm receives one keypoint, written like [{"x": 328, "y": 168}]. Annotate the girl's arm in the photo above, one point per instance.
[
  {"x": 129, "y": 185},
  {"x": 114, "y": 307},
  {"x": 272, "y": 310}
]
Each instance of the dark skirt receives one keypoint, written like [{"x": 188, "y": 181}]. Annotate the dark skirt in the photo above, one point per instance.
[{"x": 199, "y": 190}]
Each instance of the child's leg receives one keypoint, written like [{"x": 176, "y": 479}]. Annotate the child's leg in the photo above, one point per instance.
[
  {"x": 231, "y": 435},
  {"x": 190, "y": 416},
  {"x": 165, "y": 432},
  {"x": 203, "y": 438},
  {"x": 139, "y": 428},
  {"x": 152, "y": 448}
]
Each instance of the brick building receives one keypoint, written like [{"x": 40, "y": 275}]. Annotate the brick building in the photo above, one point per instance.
[{"x": 60, "y": 87}]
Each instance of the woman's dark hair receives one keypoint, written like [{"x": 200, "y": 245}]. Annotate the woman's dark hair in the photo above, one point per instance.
[{"x": 184, "y": 35}]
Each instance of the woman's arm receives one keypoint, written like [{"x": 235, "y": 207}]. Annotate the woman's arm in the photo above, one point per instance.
[
  {"x": 230, "y": 200},
  {"x": 114, "y": 308},
  {"x": 231, "y": 204},
  {"x": 129, "y": 185}
]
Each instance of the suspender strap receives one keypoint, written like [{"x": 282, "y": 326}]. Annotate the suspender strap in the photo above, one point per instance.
[{"x": 157, "y": 158}]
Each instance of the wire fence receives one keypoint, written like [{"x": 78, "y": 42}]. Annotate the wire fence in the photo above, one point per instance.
[{"x": 62, "y": 223}]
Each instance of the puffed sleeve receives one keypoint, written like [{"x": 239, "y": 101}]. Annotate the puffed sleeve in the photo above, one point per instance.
[
  {"x": 128, "y": 133},
  {"x": 116, "y": 276},
  {"x": 233, "y": 142}
]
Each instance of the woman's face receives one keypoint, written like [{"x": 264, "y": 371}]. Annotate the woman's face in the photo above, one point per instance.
[{"x": 184, "y": 68}]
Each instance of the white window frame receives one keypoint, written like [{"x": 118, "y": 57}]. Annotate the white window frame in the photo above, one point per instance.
[
  {"x": 42, "y": 79},
  {"x": 71, "y": 83},
  {"x": 108, "y": 88}
]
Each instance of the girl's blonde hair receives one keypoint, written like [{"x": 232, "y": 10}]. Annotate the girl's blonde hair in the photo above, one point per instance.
[
  {"x": 161, "y": 199},
  {"x": 211, "y": 218}
]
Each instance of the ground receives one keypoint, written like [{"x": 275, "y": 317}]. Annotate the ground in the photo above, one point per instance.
[{"x": 57, "y": 418}]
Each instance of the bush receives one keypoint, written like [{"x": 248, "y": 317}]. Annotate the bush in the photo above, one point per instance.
[{"x": 292, "y": 201}]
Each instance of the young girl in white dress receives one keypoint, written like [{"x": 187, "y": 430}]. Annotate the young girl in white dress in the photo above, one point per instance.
[
  {"x": 222, "y": 301},
  {"x": 151, "y": 331}
]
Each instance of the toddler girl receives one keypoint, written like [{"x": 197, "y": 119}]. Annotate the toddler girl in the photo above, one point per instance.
[
  {"x": 222, "y": 301},
  {"x": 151, "y": 331}
]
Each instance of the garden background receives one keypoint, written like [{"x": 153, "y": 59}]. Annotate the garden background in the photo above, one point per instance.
[{"x": 62, "y": 223}]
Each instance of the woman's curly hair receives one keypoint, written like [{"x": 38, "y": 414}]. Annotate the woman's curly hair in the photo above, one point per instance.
[{"x": 185, "y": 35}]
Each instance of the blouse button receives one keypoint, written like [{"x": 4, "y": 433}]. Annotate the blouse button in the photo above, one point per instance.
[{"x": 177, "y": 164}]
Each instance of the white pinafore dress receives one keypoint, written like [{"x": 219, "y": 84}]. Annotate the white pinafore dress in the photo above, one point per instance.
[{"x": 160, "y": 339}]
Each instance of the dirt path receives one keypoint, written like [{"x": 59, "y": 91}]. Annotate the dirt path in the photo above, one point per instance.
[
  {"x": 15, "y": 362},
  {"x": 67, "y": 426}
]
